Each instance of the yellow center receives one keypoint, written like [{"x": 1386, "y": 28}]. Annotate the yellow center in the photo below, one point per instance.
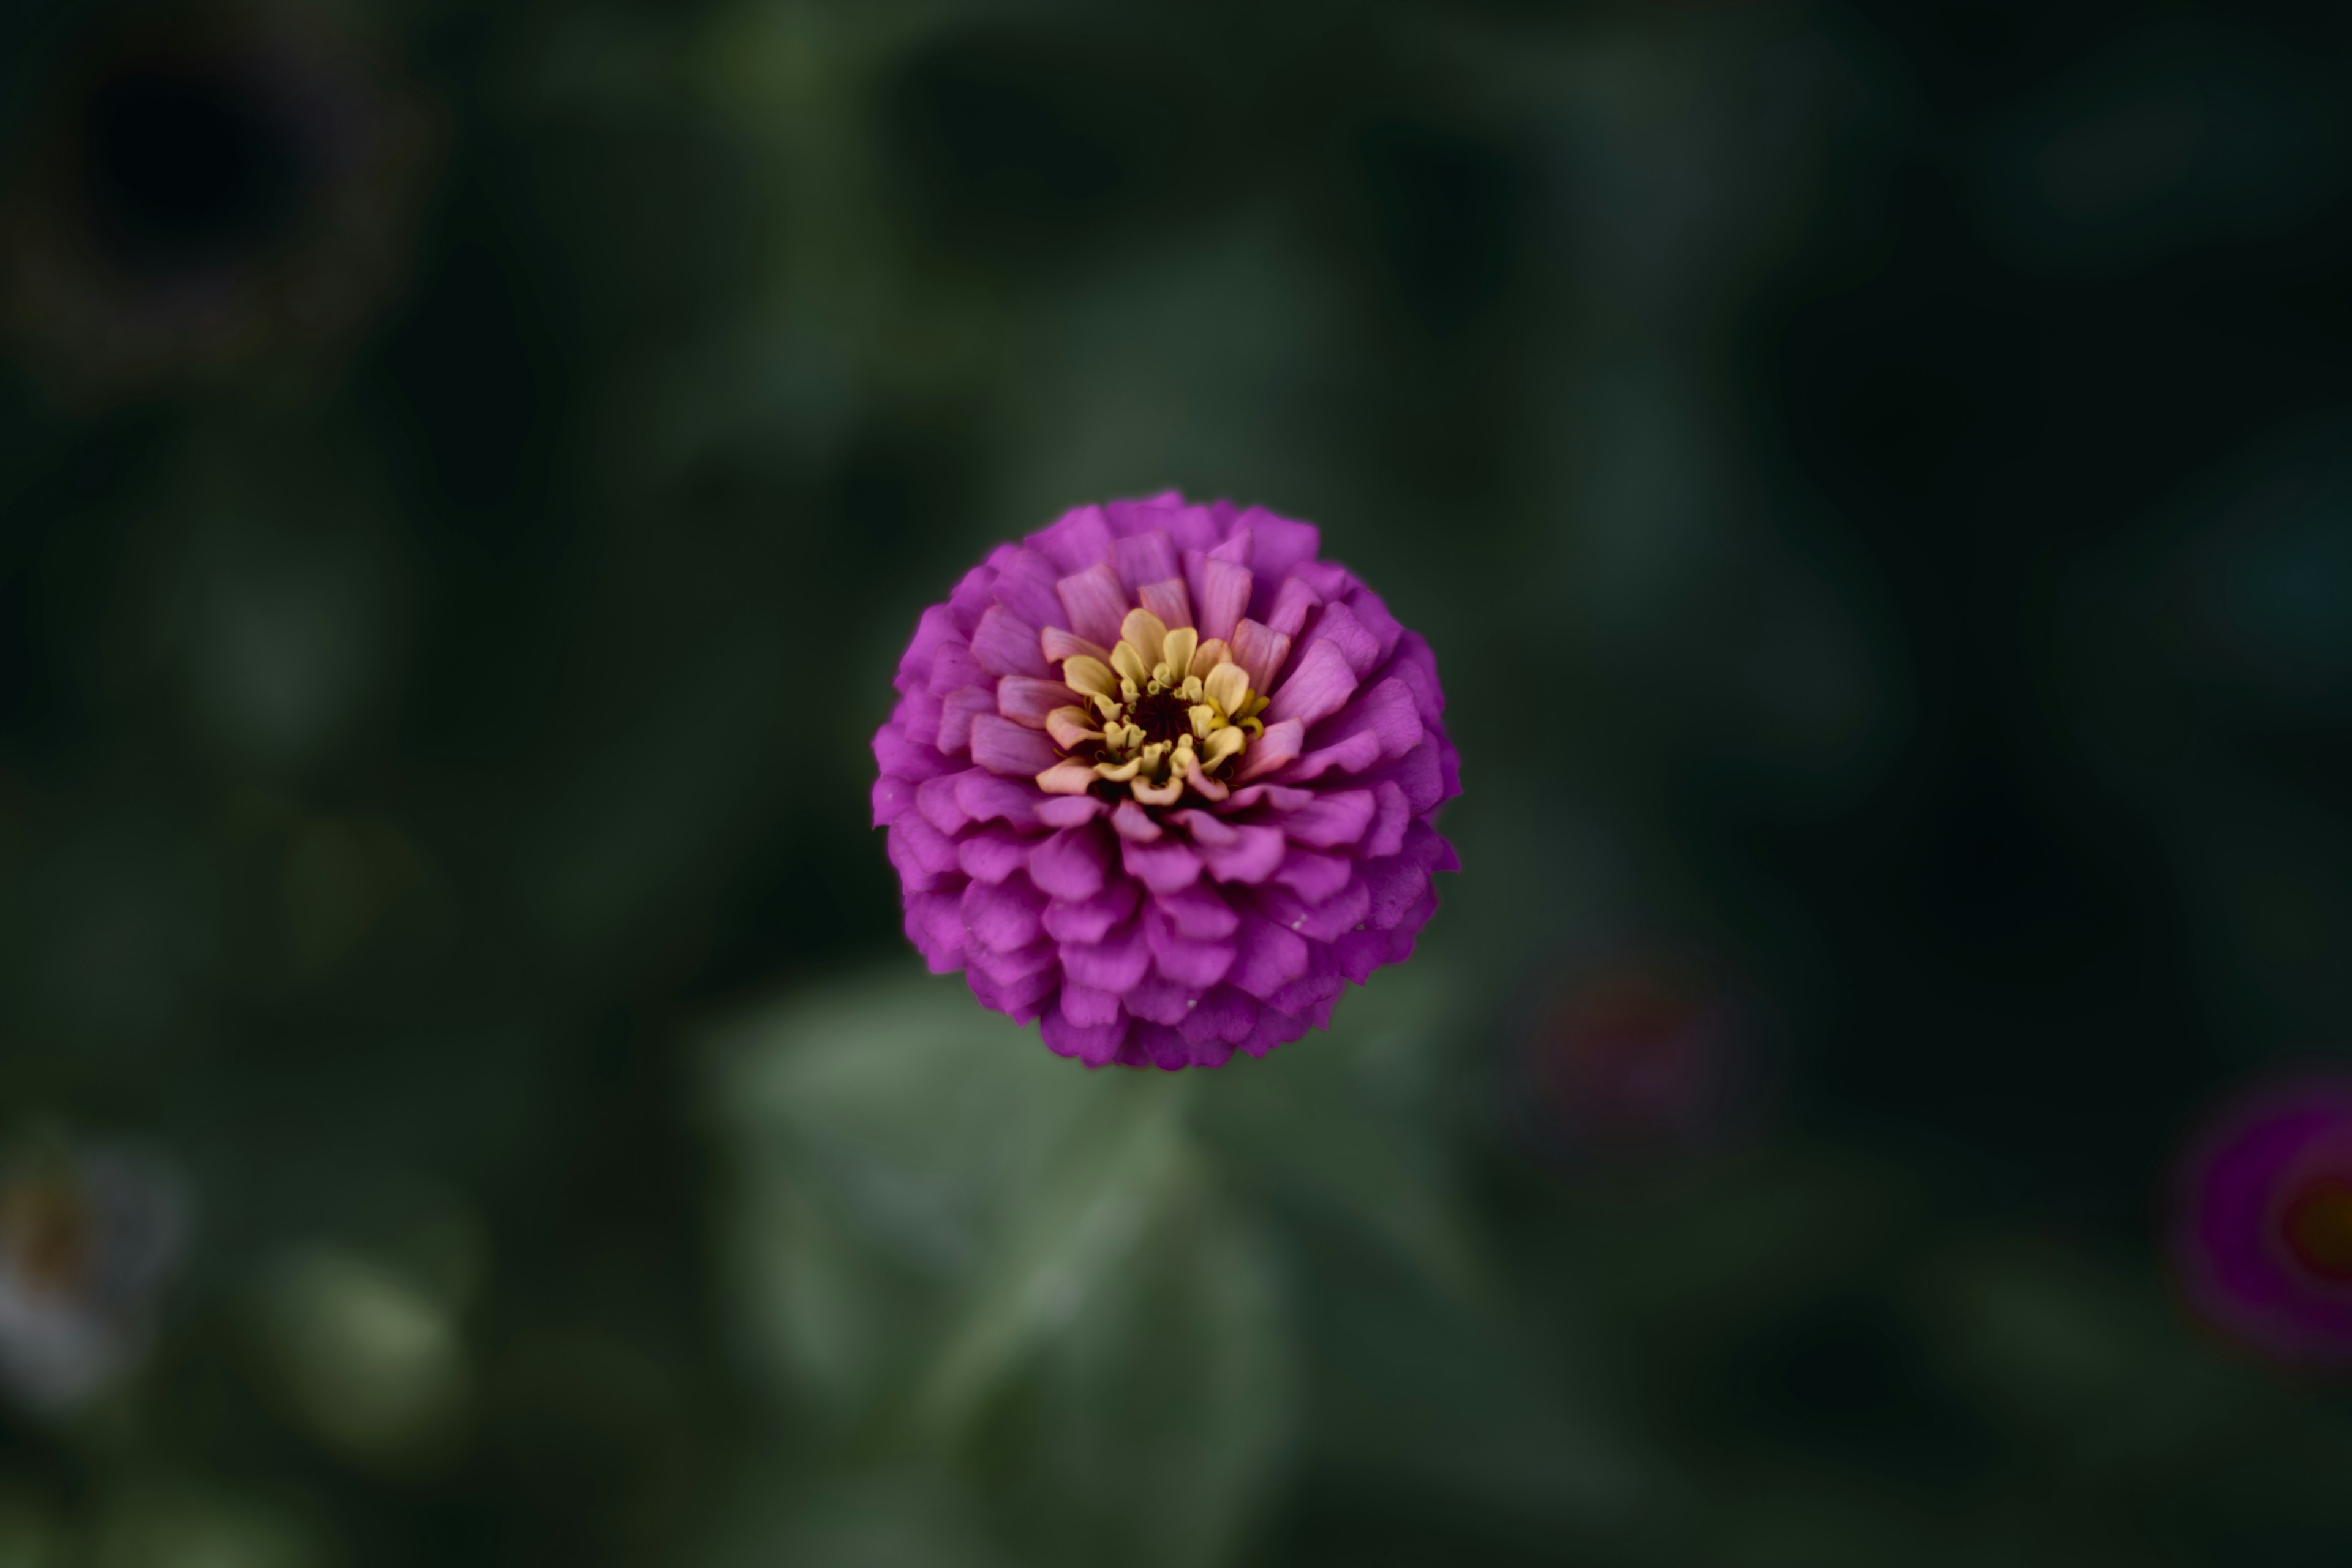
[{"x": 1168, "y": 712}]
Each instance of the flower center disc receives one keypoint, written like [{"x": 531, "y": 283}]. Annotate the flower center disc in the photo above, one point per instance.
[
  {"x": 2317, "y": 1228},
  {"x": 1161, "y": 715}
]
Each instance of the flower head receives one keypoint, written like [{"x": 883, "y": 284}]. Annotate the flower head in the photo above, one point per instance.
[
  {"x": 2264, "y": 1240},
  {"x": 1164, "y": 779}
]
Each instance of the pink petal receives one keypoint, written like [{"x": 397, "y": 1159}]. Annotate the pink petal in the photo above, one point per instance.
[
  {"x": 1357, "y": 754},
  {"x": 1268, "y": 957},
  {"x": 1020, "y": 1000},
  {"x": 1091, "y": 919},
  {"x": 1315, "y": 877},
  {"x": 1356, "y": 645},
  {"x": 1147, "y": 557},
  {"x": 1095, "y": 601},
  {"x": 1291, "y": 603},
  {"x": 1011, "y": 967},
  {"x": 953, "y": 669},
  {"x": 1057, "y": 644},
  {"x": 1224, "y": 598},
  {"x": 1004, "y": 644},
  {"x": 956, "y": 715},
  {"x": 1320, "y": 920},
  {"x": 1003, "y": 747},
  {"x": 936, "y": 799},
  {"x": 1190, "y": 960},
  {"x": 1386, "y": 835},
  {"x": 1094, "y": 1046},
  {"x": 1004, "y": 917},
  {"x": 1026, "y": 701},
  {"x": 1200, "y": 911},
  {"x": 992, "y": 854},
  {"x": 1070, "y": 865},
  {"x": 1278, "y": 747},
  {"x": 1332, "y": 820},
  {"x": 985, "y": 797},
  {"x": 909, "y": 760},
  {"x": 1070, "y": 810},
  {"x": 894, "y": 797},
  {"x": 1162, "y": 868},
  {"x": 1132, "y": 823},
  {"x": 1281, "y": 542},
  {"x": 1224, "y": 1014},
  {"x": 935, "y": 925},
  {"x": 1089, "y": 1008},
  {"x": 1261, "y": 651},
  {"x": 1077, "y": 539},
  {"x": 925, "y": 857},
  {"x": 1168, "y": 600},
  {"x": 1113, "y": 964},
  {"x": 1254, "y": 855},
  {"x": 1319, "y": 687},
  {"x": 1160, "y": 1000}
]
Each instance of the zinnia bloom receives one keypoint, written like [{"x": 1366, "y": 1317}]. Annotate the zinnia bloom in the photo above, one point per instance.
[
  {"x": 1163, "y": 779},
  {"x": 2264, "y": 1238}
]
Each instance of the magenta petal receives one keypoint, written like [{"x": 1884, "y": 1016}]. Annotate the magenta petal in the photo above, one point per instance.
[
  {"x": 1168, "y": 600},
  {"x": 1200, "y": 911},
  {"x": 936, "y": 799},
  {"x": 1160, "y": 1000},
  {"x": 1004, "y": 644},
  {"x": 1224, "y": 1014},
  {"x": 1386, "y": 713},
  {"x": 1147, "y": 558},
  {"x": 1075, "y": 810},
  {"x": 953, "y": 669},
  {"x": 992, "y": 854},
  {"x": 922, "y": 853},
  {"x": 1386, "y": 835},
  {"x": 1396, "y": 885},
  {"x": 1292, "y": 602},
  {"x": 1357, "y": 754},
  {"x": 1281, "y": 543},
  {"x": 893, "y": 798},
  {"x": 956, "y": 716},
  {"x": 1094, "y": 602},
  {"x": 1418, "y": 773},
  {"x": 1275, "y": 749},
  {"x": 985, "y": 797},
  {"x": 1070, "y": 866},
  {"x": 935, "y": 925},
  {"x": 1134, "y": 824},
  {"x": 1332, "y": 820},
  {"x": 1005, "y": 748},
  {"x": 1089, "y": 1008},
  {"x": 1162, "y": 868},
  {"x": 1267, "y": 957},
  {"x": 1190, "y": 960},
  {"x": 1004, "y": 917},
  {"x": 1011, "y": 967},
  {"x": 1320, "y": 685},
  {"x": 1261, "y": 651},
  {"x": 1019, "y": 1000},
  {"x": 1224, "y": 598},
  {"x": 1113, "y": 964},
  {"x": 1077, "y": 539},
  {"x": 1318, "y": 921},
  {"x": 1314, "y": 877},
  {"x": 1254, "y": 855},
  {"x": 1094, "y": 1046},
  {"x": 908, "y": 759},
  {"x": 1026, "y": 701},
  {"x": 1091, "y": 919},
  {"x": 1160, "y": 1045}
]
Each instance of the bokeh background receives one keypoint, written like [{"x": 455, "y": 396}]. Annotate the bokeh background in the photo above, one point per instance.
[{"x": 1878, "y": 479}]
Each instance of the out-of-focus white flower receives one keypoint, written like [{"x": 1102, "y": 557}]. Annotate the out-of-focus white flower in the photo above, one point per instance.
[{"x": 89, "y": 1236}]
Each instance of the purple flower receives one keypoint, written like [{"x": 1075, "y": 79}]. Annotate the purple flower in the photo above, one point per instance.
[
  {"x": 2264, "y": 1236},
  {"x": 1164, "y": 779}
]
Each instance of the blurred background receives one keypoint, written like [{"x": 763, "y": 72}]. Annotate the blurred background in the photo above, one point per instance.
[{"x": 1877, "y": 475}]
